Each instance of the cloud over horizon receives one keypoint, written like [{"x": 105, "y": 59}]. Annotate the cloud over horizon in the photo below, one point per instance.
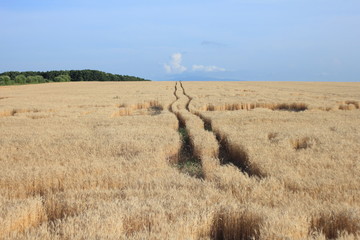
[{"x": 175, "y": 64}]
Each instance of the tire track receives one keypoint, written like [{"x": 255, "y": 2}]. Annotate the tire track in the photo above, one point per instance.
[
  {"x": 190, "y": 98},
  {"x": 187, "y": 162},
  {"x": 210, "y": 151},
  {"x": 176, "y": 98},
  {"x": 227, "y": 152}
]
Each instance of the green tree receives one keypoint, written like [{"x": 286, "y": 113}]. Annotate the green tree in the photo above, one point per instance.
[
  {"x": 62, "y": 78},
  {"x": 35, "y": 79},
  {"x": 4, "y": 80},
  {"x": 21, "y": 79},
  {"x": 71, "y": 75},
  {"x": 31, "y": 79},
  {"x": 40, "y": 79}
]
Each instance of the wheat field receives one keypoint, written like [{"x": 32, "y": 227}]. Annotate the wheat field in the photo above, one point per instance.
[{"x": 180, "y": 160}]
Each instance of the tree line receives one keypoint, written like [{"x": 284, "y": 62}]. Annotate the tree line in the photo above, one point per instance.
[{"x": 13, "y": 77}]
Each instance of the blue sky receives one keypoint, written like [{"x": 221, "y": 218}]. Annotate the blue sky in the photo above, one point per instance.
[{"x": 256, "y": 40}]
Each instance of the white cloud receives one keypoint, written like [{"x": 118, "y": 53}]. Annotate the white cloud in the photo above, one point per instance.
[
  {"x": 175, "y": 64},
  {"x": 207, "y": 68}
]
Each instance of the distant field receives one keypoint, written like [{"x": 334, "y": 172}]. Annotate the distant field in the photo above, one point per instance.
[{"x": 180, "y": 160}]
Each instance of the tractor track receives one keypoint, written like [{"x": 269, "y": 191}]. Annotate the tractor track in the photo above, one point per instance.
[
  {"x": 187, "y": 162},
  {"x": 190, "y": 98},
  {"x": 226, "y": 153}
]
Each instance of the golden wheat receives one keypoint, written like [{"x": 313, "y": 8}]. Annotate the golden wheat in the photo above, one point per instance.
[{"x": 95, "y": 161}]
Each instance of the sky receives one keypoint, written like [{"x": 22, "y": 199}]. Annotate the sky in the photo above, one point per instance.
[{"x": 245, "y": 40}]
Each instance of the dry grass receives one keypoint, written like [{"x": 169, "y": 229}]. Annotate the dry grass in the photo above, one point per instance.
[
  {"x": 292, "y": 107},
  {"x": 95, "y": 161},
  {"x": 334, "y": 224},
  {"x": 309, "y": 157},
  {"x": 152, "y": 107},
  {"x": 236, "y": 225}
]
